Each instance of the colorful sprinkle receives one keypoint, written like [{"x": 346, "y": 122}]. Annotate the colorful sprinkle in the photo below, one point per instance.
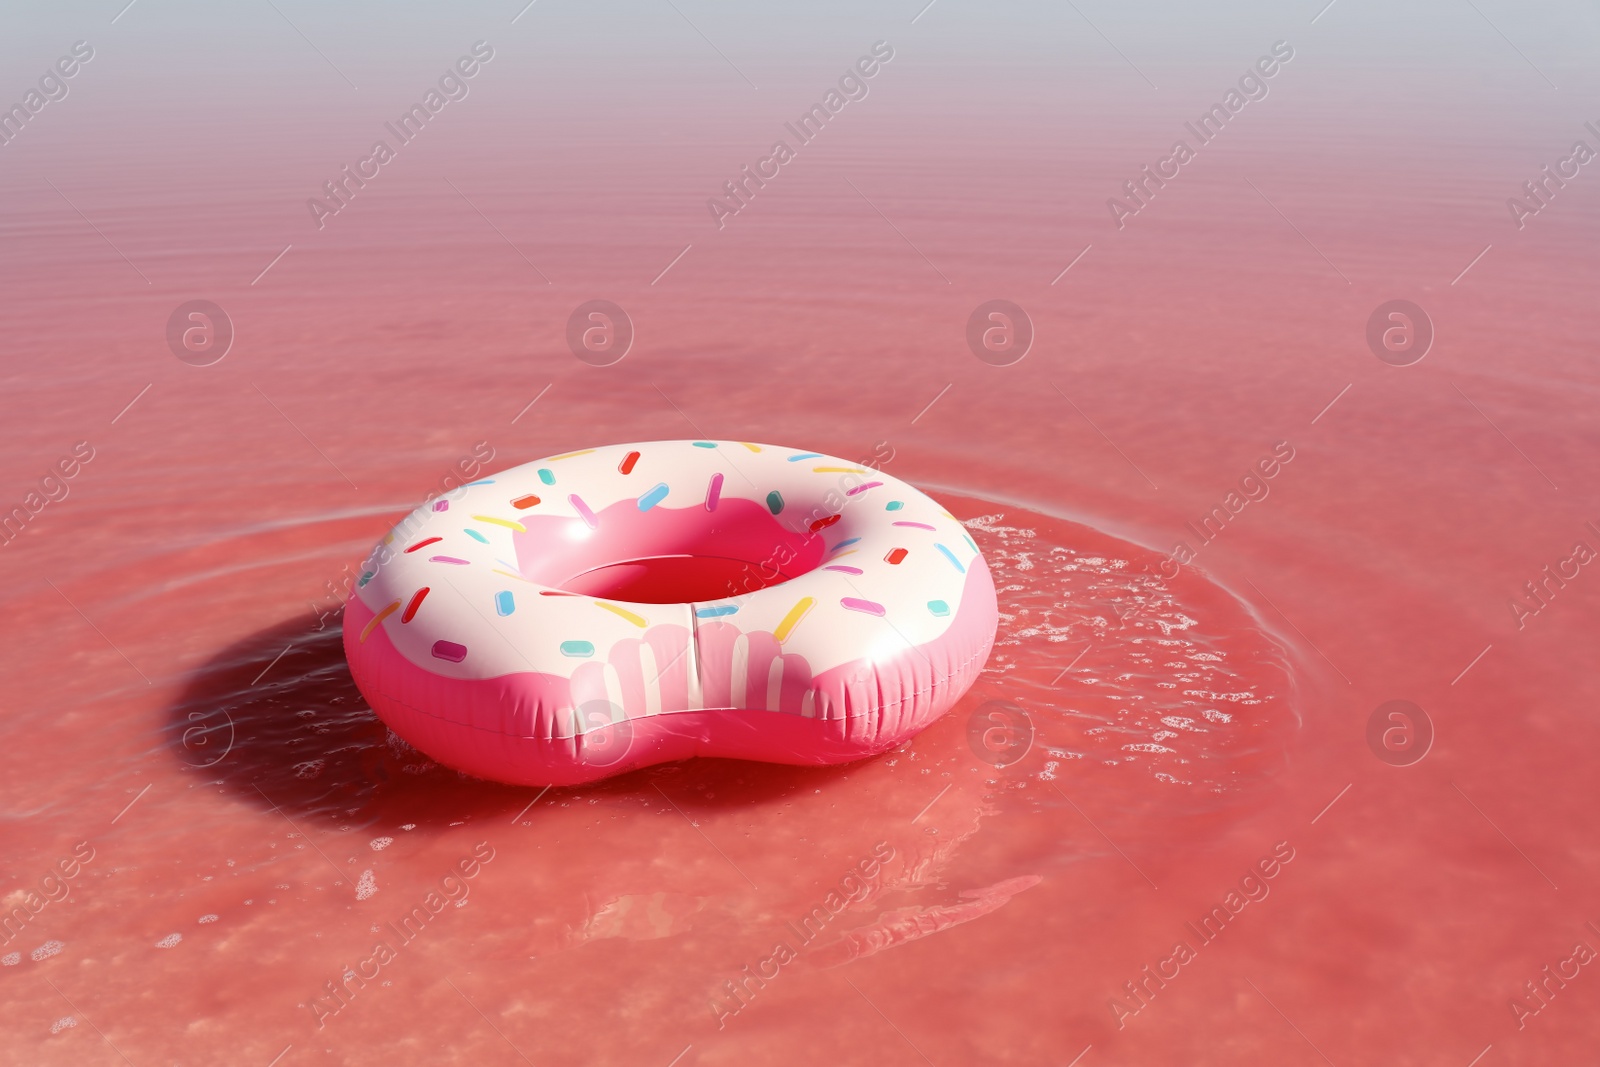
[
  {"x": 805, "y": 455},
  {"x": 838, "y": 470},
  {"x": 970, "y": 542},
  {"x": 823, "y": 524},
  {"x": 716, "y": 611},
  {"x": 862, "y": 488},
  {"x": 509, "y": 574},
  {"x": 366, "y": 576},
  {"x": 476, "y": 536},
  {"x": 509, "y": 524},
  {"x": 847, "y": 542},
  {"x": 577, "y": 649},
  {"x": 425, "y": 542},
  {"x": 915, "y": 525},
  {"x": 372, "y": 624},
  {"x": 523, "y": 503},
  {"x": 655, "y": 496},
  {"x": 481, "y": 481},
  {"x": 416, "y": 602},
  {"x": 557, "y": 592},
  {"x": 864, "y": 606},
  {"x": 751, "y": 447},
  {"x": 547, "y": 476},
  {"x": 638, "y": 620},
  {"x": 951, "y": 556},
  {"x": 705, "y": 444},
  {"x": 939, "y": 608},
  {"x": 441, "y": 505},
  {"x": 714, "y": 492},
  {"x": 454, "y": 561},
  {"x": 626, "y": 466},
  {"x": 569, "y": 455},
  {"x": 449, "y": 650},
  {"x": 791, "y": 620},
  {"x": 388, "y": 538},
  {"x": 894, "y": 505},
  {"x": 895, "y": 556},
  {"x": 583, "y": 510},
  {"x": 775, "y": 502},
  {"x": 846, "y": 570},
  {"x": 504, "y": 602}
]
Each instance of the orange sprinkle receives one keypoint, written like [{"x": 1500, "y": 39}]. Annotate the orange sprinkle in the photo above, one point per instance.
[{"x": 372, "y": 625}]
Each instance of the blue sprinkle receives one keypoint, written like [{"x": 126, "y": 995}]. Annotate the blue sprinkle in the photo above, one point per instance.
[
  {"x": 504, "y": 602},
  {"x": 805, "y": 455},
  {"x": 476, "y": 536},
  {"x": 486, "y": 481},
  {"x": 951, "y": 556},
  {"x": 894, "y": 505},
  {"x": 705, "y": 444},
  {"x": 577, "y": 649},
  {"x": 939, "y": 608},
  {"x": 365, "y": 578},
  {"x": 653, "y": 497},
  {"x": 847, "y": 542},
  {"x": 547, "y": 476},
  {"x": 774, "y": 501},
  {"x": 715, "y": 612}
]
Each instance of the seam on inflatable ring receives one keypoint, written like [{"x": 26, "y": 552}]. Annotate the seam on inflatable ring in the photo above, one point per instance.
[{"x": 982, "y": 650}]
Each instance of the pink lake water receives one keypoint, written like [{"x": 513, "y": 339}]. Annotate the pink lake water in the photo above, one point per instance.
[{"x": 1198, "y": 734}]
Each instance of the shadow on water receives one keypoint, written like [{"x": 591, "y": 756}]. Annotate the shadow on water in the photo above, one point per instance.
[{"x": 277, "y": 720}]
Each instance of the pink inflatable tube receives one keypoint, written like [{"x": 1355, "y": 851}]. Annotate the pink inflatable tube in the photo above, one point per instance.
[{"x": 594, "y": 612}]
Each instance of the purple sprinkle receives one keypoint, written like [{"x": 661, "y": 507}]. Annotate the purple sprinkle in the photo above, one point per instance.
[
  {"x": 862, "y": 488},
  {"x": 441, "y": 505},
  {"x": 588, "y": 516},
  {"x": 842, "y": 567},
  {"x": 918, "y": 525},
  {"x": 449, "y": 650},
  {"x": 448, "y": 559},
  {"x": 861, "y": 605}
]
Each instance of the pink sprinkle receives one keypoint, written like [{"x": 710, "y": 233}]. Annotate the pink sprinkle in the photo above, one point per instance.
[
  {"x": 441, "y": 505},
  {"x": 588, "y": 516},
  {"x": 714, "y": 492},
  {"x": 449, "y": 650},
  {"x": 842, "y": 567},
  {"x": 918, "y": 525},
  {"x": 862, "y": 488},
  {"x": 861, "y": 605},
  {"x": 448, "y": 559}
]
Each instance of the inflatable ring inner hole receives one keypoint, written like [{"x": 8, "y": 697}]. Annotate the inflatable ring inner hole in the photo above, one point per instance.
[{"x": 669, "y": 556}]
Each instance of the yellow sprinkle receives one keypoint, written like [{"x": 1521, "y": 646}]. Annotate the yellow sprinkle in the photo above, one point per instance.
[
  {"x": 638, "y": 620},
  {"x": 393, "y": 607},
  {"x": 791, "y": 620},
  {"x": 507, "y": 523},
  {"x": 751, "y": 447},
  {"x": 838, "y": 470},
  {"x": 508, "y": 574},
  {"x": 842, "y": 555},
  {"x": 388, "y": 538},
  {"x": 567, "y": 455}
]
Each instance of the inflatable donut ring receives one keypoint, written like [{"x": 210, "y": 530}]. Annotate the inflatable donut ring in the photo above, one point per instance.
[{"x": 597, "y": 611}]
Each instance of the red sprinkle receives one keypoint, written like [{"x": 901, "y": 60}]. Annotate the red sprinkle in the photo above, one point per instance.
[
  {"x": 823, "y": 524},
  {"x": 523, "y": 503},
  {"x": 424, "y": 541},
  {"x": 416, "y": 602},
  {"x": 895, "y": 556},
  {"x": 626, "y": 466}
]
